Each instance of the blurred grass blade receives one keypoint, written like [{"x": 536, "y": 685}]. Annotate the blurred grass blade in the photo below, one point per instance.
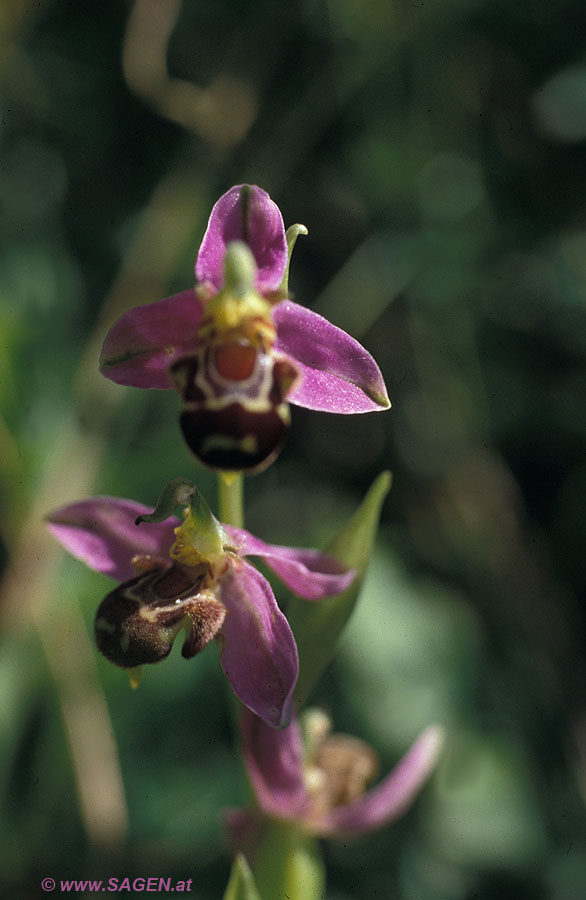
[
  {"x": 317, "y": 626},
  {"x": 241, "y": 885}
]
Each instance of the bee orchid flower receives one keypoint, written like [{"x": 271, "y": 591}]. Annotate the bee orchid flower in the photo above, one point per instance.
[
  {"x": 194, "y": 576},
  {"x": 318, "y": 781},
  {"x": 236, "y": 348}
]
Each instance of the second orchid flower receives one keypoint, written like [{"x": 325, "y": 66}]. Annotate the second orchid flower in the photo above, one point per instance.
[{"x": 193, "y": 576}]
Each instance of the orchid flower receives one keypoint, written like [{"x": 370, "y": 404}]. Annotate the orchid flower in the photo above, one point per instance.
[
  {"x": 317, "y": 781},
  {"x": 193, "y": 575},
  {"x": 237, "y": 348}
]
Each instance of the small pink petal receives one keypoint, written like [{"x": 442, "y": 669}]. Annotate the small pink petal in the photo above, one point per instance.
[
  {"x": 392, "y": 797},
  {"x": 245, "y": 213},
  {"x": 257, "y": 649},
  {"x": 308, "y": 573},
  {"x": 338, "y": 374},
  {"x": 140, "y": 346},
  {"x": 101, "y": 532},
  {"x": 274, "y": 763}
]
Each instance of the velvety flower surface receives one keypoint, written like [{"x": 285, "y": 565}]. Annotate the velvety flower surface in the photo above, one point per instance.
[
  {"x": 257, "y": 649},
  {"x": 336, "y": 373},
  {"x": 322, "y": 787}
]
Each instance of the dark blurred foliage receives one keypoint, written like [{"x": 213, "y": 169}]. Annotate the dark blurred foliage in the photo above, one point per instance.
[{"x": 436, "y": 152}]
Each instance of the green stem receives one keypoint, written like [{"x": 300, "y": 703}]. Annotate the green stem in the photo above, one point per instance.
[
  {"x": 231, "y": 512},
  {"x": 289, "y": 864},
  {"x": 231, "y": 499}
]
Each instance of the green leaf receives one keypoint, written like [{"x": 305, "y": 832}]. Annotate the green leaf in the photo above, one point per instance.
[
  {"x": 241, "y": 885},
  {"x": 317, "y": 626}
]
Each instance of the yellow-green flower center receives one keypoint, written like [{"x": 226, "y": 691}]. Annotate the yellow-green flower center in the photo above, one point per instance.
[{"x": 195, "y": 544}]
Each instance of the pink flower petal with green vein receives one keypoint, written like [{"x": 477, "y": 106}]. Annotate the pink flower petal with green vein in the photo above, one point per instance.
[
  {"x": 101, "y": 532},
  {"x": 257, "y": 649},
  {"x": 308, "y": 573},
  {"x": 392, "y": 797},
  {"x": 245, "y": 213},
  {"x": 141, "y": 345},
  {"x": 274, "y": 763},
  {"x": 338, "y": 374}
]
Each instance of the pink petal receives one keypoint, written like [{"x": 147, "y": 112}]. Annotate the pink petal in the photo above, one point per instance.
[
  {"x": 308, "y": 573},
  {"x": 245, "y": 213},
  {"x": 274, "y": 763},
  {"x": 391, "y": 798},
  {"x": 338, "y": 374},
  {"x": 145, "y": 340},
  {"x": 257, "y": 649},
  {"x": 101, "y": 532}
]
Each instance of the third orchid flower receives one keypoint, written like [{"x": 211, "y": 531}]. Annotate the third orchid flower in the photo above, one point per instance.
[
  {"x": 317, "y": 781},
  {"x": 237, "y": 348}
]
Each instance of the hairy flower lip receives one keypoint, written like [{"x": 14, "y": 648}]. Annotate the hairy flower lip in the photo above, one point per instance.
[
  {"x": 337, "y": 374},
  {"x": 257, "y": 648}
]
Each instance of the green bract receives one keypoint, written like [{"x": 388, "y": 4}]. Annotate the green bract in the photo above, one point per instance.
[
  {"x": 241, "y": 885},
  {"x": 317, "y": 628}
]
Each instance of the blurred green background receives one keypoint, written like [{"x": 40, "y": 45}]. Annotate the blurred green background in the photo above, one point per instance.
[{"x": 436, "y": 152}]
